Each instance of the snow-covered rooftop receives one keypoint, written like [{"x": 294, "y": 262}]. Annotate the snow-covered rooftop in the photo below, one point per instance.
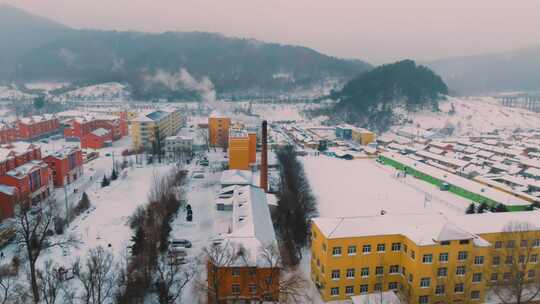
[{"x": 235, "y": 177}]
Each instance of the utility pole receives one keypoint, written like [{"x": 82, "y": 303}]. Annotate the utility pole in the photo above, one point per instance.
[{"x": 66, "y": 199}]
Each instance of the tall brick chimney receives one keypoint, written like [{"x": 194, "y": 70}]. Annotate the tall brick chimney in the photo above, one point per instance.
[{"x": 264, "y": 158}]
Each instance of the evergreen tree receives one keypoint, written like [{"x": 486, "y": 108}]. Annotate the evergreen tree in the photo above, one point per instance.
[
  {"x": 138, "y": 242},
  {"x": 501, "y": 208},
  {"x": 471, "y": 209},
  {"x": 114, "y": 175},
  {"x": 105, "y": 181},
  {"x": 482, "y": 208}
]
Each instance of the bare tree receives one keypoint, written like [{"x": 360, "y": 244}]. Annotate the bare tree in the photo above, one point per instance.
[
  {"x": 518, "y": 255},
  {"x": 172, "y": 278},
  {"x": 284, "y": 285},
  {"x": 33, "y": 231},
  {"x": 49, "y": 283},
  {"x": 7, "y": 282},
  {"x": 98, "y": 277},
  {"x": 205, "y": 136},
  {"x": 217, "y": 257}
]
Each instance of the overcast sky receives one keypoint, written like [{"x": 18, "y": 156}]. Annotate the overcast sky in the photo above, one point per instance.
[{"x": 374, "y": 30}]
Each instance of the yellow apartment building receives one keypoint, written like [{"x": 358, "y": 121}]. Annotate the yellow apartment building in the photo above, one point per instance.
[
  {"x": 424, "y": 258},
  {"x": 145, "y": 127}
]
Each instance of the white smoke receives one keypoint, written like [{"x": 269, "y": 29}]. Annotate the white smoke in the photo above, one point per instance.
[{"x": 184, "y": 80}]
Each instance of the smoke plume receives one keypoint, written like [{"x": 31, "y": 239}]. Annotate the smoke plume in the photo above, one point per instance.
[{"x": 184, "y": 80}]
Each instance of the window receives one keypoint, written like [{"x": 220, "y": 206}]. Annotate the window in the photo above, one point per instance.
[
  {"x": 442, "y": 272},
  {"x": 443, "y": 257},
  {"x": 396, "y": 246},
  {"x": 349, "y": 290},
  {"x": 253, "y": 270},
  {"x": 381, "y": 247},
  {"x": 462, "y": 255},
  {"x": 364, "y": 288},
  {"x": 364, "y": 272},
  {"x": 445, "y": 243},
  {"x": 335, "y": 274},
  {"x": 423, "y": 299},
  {"x": 507, "y": 276},
  {"x": 235, "y": 289},
  {"x": 439, "y": 290},
  {"x": 366, "y": 249},
  {"x": 351, "y": 250},
  {"x": 509, "y": 260},
  {"x": 458, "y": 288},
  {"x": 494, "y": 277},
  {"x": 424, "y": 282},
  {"x": 475, "y": 294},
  {"x": 379, "y": 270},
  {"x": 460, "y": 270},
  {"x": 410, "y": 277},
  {"x": 463, "y": 242},
  {"x": 350, "y": 273},
  {"x": 405, "y": 248},
  {"x": 510, "y": 244},
  {"x": 235, "y": 272},
  {"x": 334, "y": 291},
  {"x": 477, "y": 277},
  {"x": 394, "y": 269},
  {"x": 268, "y": 280},
  {"x": 533, "y": 258},
  {"x": 521, "y": 259},
  {"x": 427, "y": 258},
  {"x": 498, "y": 244},
  {"x": 536, "y": 243},
  {"x": 478, "y": 260},
  {"x": 413, "y": 256},
  {"x": 403, "y": 271},
  {"x": 392, "y": 285},
  {"x": 531, "y": 274},
  {"x": 377, "y": 287},
  {"x": 336, "y": 251},
  {"x": 524, "y": 243},
  {"x": 252, "y": 288},
  {"x": 496, "y": 261}
]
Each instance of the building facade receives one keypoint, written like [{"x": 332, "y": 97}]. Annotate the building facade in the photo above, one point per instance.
[
  {"x": 423, "y": 258},
  {"x": 37, "y": 126},
  {"x": 218, "y": 130},
  {"x": 66, "y": 166},
  {"x": 242, "y": 150},
  {"x": 149, "y": 124}
]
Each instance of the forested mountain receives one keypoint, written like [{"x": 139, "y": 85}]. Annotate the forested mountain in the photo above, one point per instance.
[
  {"x": 20, "y": 32},
  {"x": 484, "y": 74},
  {"x": 371, "y": 97},
  {"x": 152, "y": 63}
]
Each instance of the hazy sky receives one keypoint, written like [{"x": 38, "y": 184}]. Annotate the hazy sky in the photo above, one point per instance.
[{"x": 374, "y": 30}]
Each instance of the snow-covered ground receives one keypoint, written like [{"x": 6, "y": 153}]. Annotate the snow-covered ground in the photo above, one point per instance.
[
  {"x": 363, "y": 187},
  {"x": 113, "y": 91},
  {"x": 475, "y": 115},
  {"x": 13, "y": 93}
]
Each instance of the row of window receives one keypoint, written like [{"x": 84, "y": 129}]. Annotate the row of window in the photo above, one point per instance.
[
  {"x": 509, "y": 260},
  {"x": 351, "y": 250},
  {"x": 523, "y": 243},
  {"x": 364, "y": 272},
  {"x": 439, "y": 290},
  {"x": 507, "y": 276}
]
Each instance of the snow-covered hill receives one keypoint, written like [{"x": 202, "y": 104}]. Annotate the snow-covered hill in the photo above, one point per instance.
[
  {"x": 99, "y": 92},
  {"x": 12, "y": 93},
  {"x": 473, "y": 115}
]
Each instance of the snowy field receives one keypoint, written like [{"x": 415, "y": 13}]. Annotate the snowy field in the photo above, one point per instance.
[
  {"x": 474, "y": 115},
  {"x": 346, "y": 188}
]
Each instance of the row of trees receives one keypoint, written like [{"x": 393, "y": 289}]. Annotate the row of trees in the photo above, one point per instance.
[
  {"x": 484, "y": 207},
  {"x": 148, "y": 268},
  {"x": 296, "y": 205}
]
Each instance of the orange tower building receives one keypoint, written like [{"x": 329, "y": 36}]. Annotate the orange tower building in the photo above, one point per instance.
[
  {"x": 242, "y": 150},
  {"x": 218, "y": 130}
]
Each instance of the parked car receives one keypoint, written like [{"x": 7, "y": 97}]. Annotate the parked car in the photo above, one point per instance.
[
  {"x": 197, "y": 174},
  {"x": 180, "y": 243}
]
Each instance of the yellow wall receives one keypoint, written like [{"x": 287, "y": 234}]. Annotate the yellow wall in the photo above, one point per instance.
[
  {"x": 363, "y": 137},
  {"x": 239, "y": 152},
  {"x": 142, "y": 132},
  {"x": 323, "y": 262}
]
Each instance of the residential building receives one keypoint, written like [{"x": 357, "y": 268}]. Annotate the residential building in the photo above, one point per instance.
[
  {"x": 176, "y": 145},
  {"x": 362, "y": 136},
  {"x": 242, "y": 150},
  {"x": 66, "y": 165},
  {"x": 37, "y": 126},
  {"x": 147, "y": 125},
  {"x": 253, "y": 273},
  {"x": 77, "y": 128},
  {"x": 97, "y": 139},
  {"x": 344, "y": 132},
  {"x": 8, "y": 132},
  {"x": 218, "y": 130},
  {"x": 425, "y": 258}
]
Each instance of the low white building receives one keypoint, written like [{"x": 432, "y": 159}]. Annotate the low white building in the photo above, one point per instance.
[{"x": 178, "y": 144}]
